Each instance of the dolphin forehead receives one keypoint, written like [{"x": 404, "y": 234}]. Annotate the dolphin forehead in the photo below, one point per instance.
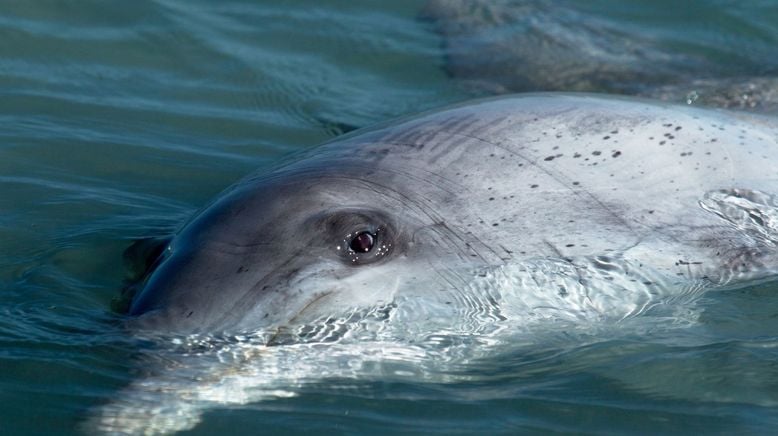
[{"x": 265, "y": 209}]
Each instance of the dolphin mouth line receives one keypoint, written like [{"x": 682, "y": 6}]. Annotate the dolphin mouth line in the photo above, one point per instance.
[
  {"x": 311, "y": 303},
  {"x": 278, "y": 330}
]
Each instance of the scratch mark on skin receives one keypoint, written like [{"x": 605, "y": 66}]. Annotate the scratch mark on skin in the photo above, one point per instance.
[{"x": 561, "y": 180}]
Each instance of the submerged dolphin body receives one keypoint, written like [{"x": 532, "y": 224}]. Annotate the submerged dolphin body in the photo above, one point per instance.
[
  {"x": 493, "y": 47},
  {"x": 537, "y": 206}
]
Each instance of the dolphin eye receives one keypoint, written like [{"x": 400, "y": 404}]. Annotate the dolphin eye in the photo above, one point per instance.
[
  {"x": 362, "y": 242},
  {"x": 358, "y": 237}
]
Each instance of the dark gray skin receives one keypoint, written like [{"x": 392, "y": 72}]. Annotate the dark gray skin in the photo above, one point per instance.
[
  {"x": 677, "y": 194},
  {"x": 257, "y": 240}
]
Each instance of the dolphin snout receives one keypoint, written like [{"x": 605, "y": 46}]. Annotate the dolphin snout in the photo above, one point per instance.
[{"x": 210, "y": 289}]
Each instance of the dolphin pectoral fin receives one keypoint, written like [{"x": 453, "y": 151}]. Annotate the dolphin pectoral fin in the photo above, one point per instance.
[{"x": 140, "y": 258}]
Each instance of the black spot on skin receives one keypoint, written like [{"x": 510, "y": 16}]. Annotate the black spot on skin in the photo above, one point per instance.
[
  {"x": 677, "y": 128},
  {"x": 189, "y": 314},
  {"x": 549, "y": 158},
  {"x": 616, "y": 154},
  {"x": 576, "y": 155},
  {"x": 614, "y": 132},
  {"x": 683, "y": 262},
  {"x": 570, "y": 245},
  {"x": 495, "y": 224},
  {"x": 241, "y": 269},
  {"x": 596, "y": 153},
  {"x": 650, "y": 212},
  {"x": 533, "y": 186},
  {"x": 606, "y": 137},
  {"x": 576, "y": 183},
  {"x": 491, "y": 198},
  {"x": 662, "y": 142}
]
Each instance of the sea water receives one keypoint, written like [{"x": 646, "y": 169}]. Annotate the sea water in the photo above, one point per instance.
[{"x": 119, "y": 120}]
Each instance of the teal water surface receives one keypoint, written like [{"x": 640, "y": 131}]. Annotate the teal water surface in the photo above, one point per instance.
[{"x": 120, "y": 120}]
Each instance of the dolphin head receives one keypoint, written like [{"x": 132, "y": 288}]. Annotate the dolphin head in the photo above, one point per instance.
[{"x": 282, "y": 249}]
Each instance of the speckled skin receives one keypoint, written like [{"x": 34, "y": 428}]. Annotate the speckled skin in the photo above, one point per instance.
[{"x": 682, "y": 192}]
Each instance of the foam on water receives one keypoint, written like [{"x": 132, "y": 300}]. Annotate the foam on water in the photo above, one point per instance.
[{"x": 504, "y": 310}]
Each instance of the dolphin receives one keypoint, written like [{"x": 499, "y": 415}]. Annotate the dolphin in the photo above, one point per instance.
[{"x": 536, "y": 205}]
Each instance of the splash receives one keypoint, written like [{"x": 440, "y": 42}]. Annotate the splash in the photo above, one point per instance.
[
  {"x": 755, "y": 213},
  {"x": 502, "y": 310}
]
